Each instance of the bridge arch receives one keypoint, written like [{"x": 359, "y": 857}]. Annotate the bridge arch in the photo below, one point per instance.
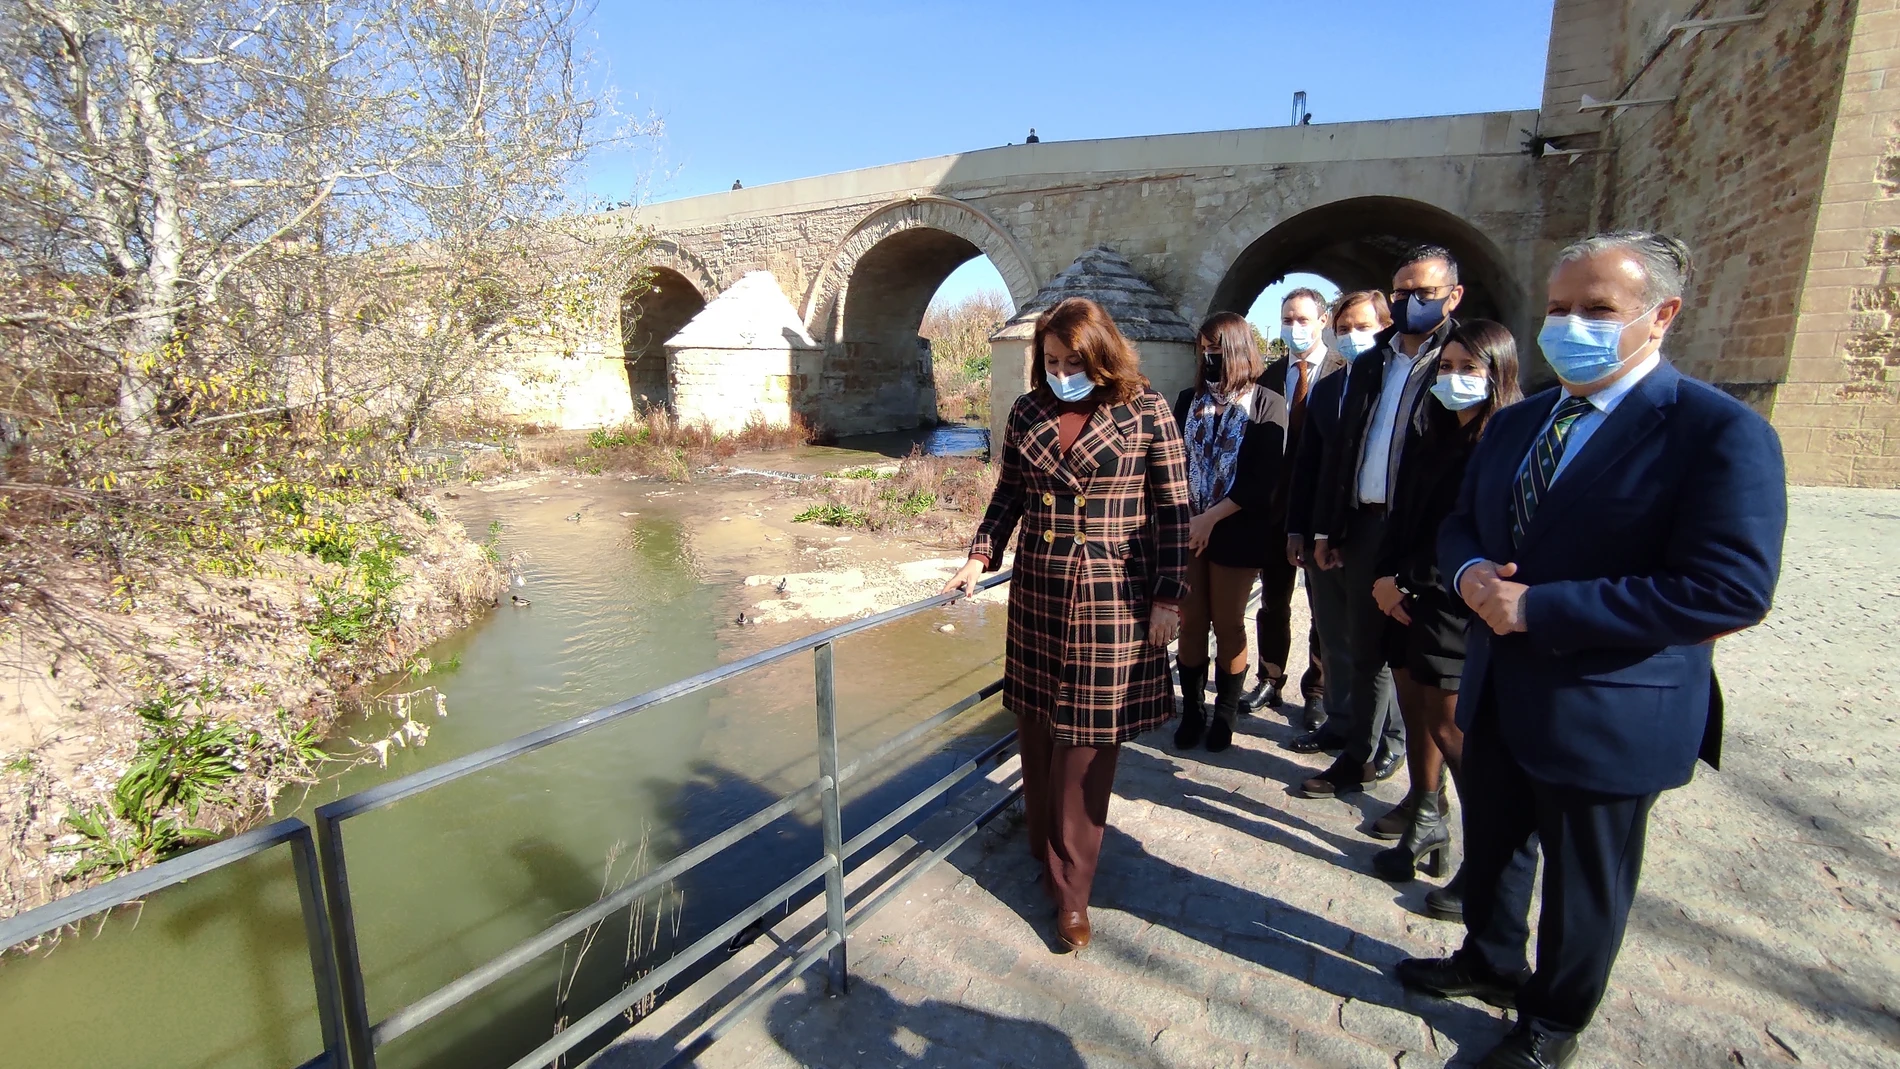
[
  {"x": 1358, "y": 243},
  {"x": 869, "y": 298},
  {"x": 655, "y": 309}
]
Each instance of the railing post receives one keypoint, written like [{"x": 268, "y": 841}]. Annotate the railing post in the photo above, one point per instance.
[
  {"x": 349, "y": 964},
  {"x": 830, "y": 811},
  {"x": 316, "y": 930}
]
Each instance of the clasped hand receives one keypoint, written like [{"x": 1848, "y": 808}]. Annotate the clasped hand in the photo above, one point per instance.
[{"x": 1487, "y": 588}]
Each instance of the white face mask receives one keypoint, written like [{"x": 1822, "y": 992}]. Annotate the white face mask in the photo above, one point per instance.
[
  {"x": 1355, "y": 343},
  {"x": 1299, "y": 337},
  {"x": 1459, "y": 392}
]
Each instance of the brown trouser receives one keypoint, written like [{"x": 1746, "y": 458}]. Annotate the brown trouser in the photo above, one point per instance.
[
  {"x": 1217, "y": 598},
  {"x": 1065, "y": 797}
]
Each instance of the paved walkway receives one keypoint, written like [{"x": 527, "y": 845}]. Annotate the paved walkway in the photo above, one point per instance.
[{"x": 1237, "y": 924}]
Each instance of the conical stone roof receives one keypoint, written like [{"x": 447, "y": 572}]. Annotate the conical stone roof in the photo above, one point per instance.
[
  {"x": 753, "y": 314},
  {"x": 1107, "y": 278}
]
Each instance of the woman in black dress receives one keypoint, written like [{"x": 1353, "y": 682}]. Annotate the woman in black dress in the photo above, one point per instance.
[
  {"x": 1235, "y": 432},
  {"x": 1477, "y": 376}
]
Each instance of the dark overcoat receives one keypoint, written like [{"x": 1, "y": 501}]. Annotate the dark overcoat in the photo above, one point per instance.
[{"x": 1104, "y": 532}]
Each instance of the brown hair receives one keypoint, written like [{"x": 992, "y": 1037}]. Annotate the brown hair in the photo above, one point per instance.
[
  {"x": 1107, "y": 358},
  {"x": 1240, "y": 354},
  {"x": 1349, "y": 301},
  {"x": 1311, "y": 294},
  {"x": 1494, "y": 347}
]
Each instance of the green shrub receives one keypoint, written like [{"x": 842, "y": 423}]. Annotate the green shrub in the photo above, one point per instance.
[{"x": 833, "y": 515}]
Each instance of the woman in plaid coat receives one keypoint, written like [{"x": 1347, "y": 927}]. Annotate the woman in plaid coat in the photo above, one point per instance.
[{"x": 1092, "y": 467}]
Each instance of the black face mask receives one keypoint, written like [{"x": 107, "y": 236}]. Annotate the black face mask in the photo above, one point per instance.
[
  {"x": 1213, "y": 369},
  {"x": 1415, "y": 316}
]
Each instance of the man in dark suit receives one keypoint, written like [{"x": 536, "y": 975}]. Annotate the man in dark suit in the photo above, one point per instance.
[
  {"x": 1308, "y": 361},
  {"x": 1608, "y": 532},
  {"x": 1349, "y": 504}
]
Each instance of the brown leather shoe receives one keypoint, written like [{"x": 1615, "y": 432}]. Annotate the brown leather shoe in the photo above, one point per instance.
[
  {"x": 1072, "y": 926},
  {"x": 1339, "y": 779}
]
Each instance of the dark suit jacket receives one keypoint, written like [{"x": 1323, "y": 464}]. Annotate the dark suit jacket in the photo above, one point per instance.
[
  {"x": 1322, "y": 423},
  {"x": 1662, "y": 534},
  {"x": 1335, "y": 494},
  {"x": 1244, "y": 539},
  {"x": 1274, "y": 378}
]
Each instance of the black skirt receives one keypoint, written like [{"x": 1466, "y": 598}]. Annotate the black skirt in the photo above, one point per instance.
[{"x": 1432, "y": 648}]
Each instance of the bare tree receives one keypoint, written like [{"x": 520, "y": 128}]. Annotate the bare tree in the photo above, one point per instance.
[{"x": 177, "y": 174}]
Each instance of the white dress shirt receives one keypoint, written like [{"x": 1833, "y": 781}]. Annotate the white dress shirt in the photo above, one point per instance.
[
  {"x": 1602, "y": 403},
  {"x": 1311, "y": 360},
  {"x": 1375, "y": 461}
]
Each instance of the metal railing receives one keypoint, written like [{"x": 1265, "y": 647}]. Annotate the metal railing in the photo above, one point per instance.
[
  {"x": 351, "y": 1039},
  {"x": 132, "y": 887}
]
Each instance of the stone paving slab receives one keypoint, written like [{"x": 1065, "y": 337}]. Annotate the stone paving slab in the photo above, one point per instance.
[{"x": 1238, "y": 925}]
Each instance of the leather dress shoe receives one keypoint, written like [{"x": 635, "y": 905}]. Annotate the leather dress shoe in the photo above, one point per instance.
[
  {"x": 1315, "y": 741},
  {"x": 1385, "y": 764},
  {"x": 1264, "y": 695},
  {"x": 1459, "y": 976},
  {"x": 1340, "y": 778},
  {"x": 1072, "y": 927},
  {"x": 1315, "y": 714},
  {"x": 1447, "y": 903},
  {"x": 1529, "y": 1047}
]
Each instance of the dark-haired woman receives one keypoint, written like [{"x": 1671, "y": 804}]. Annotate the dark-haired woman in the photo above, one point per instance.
[
  {"x": 1235, "y": 432},
  {"x": 1477, "y": 376},
  {"x": 1091, "y": 467}
]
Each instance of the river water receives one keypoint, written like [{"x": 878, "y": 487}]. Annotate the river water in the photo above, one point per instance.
[{"x": 643, "y": 589}]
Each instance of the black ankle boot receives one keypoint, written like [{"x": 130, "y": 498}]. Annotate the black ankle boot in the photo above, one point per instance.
[
  {"x": 1227, "y": 689},
  {"x": 1193, "y": 707},
  {"x": 1427, "y": 839}
]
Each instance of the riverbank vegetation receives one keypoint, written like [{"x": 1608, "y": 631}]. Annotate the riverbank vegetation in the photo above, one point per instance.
[
  {"x": 937, "y": 498},
  {"x": 959, "y": 336},
  {"x": 653, "y": 445},
  {"x": 252, "y": 261}
]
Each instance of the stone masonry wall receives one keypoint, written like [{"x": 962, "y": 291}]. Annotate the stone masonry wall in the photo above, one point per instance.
[
  {"x": 1734, "y": 167},
  {"x": 1839, "y": 411}
]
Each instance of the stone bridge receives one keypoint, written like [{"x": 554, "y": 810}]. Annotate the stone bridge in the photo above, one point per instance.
[
  {"x": 1207, "y": 219},
  {"x": 1769, "y": 141}
]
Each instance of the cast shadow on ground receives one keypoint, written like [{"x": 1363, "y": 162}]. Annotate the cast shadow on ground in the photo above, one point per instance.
[{"x": 1256, "y": 927}]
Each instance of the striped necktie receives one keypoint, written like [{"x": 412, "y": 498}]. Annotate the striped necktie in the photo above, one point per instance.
[{"x": 1533, "y": 482}]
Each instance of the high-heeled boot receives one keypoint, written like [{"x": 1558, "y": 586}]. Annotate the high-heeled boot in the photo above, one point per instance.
[
  {"x": 1427, "y": 839},
  {"x": 1193, "y": 707},
  {"x": 1227, "y": 691}
]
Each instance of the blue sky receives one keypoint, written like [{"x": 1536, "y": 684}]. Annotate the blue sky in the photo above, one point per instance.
[{"x": 765, "y": 92}]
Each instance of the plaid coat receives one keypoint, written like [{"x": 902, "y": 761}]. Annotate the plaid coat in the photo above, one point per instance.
[{"x": 1104, "y": 530}]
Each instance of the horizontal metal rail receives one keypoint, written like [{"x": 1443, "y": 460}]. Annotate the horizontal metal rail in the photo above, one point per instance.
[
  {"x": 459, "y": 989},
  {"x": 925, "y": 797},
  {"x": 571, "y": 1036},
  {"x": 398, "y": 789},
  {"x": 949, "y": 847},
  {"x": 169, "y": 873}
]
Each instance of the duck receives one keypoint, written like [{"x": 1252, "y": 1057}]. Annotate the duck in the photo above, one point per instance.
[
  {"x": 780, "y": 588},
  {"x": 519, "y": 600},
  {"x": 742, "y": 620}
]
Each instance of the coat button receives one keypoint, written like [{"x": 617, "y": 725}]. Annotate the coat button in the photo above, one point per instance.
[
  {"x": 1048, "y": 536},
  {"x": 1079, "y": 539},
  {"x": 1080, "y": 501},
  {"x": 1048, "y": 499}
]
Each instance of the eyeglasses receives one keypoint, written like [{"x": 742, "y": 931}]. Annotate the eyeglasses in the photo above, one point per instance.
[{"x": 1423, "y": 293}]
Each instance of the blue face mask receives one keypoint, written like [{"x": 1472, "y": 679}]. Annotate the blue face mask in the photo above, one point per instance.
[
  {"x": 1355, "y": 343},
  {"x": 1417, "y": 317},
  {"x": 1070, "y": 387},
  {"x": 1298, "y": 336},
  {"x": 1582, "y": 351}
]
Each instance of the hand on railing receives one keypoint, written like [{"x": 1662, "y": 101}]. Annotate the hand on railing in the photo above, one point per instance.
[{"x": 965, "y": 579}]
